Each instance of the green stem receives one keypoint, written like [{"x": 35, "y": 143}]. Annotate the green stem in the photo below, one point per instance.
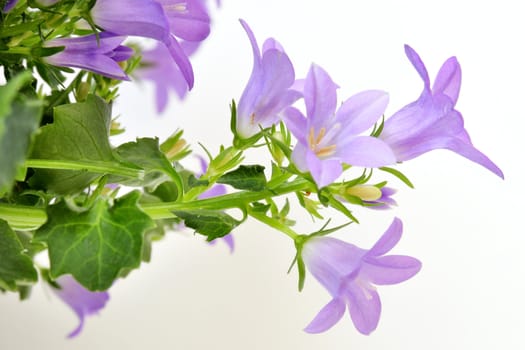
[
  {"x": 227, "y": 201},
  {"x": 92, "y": 166},
  {"x": 275, "y": 224},
  {"x": 23, "y": 218}
]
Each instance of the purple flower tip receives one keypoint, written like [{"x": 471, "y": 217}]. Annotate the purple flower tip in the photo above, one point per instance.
[
  {"x": 82, "y": 301},
  {"x": 350, "y": 274}
]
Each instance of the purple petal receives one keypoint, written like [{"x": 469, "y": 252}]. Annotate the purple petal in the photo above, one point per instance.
[
  {"x": 9, "y": 5},
  {"x": 388, "y": 240},
  {"x": 144, "y": 18},
  {"x": 365, "y": 151},
  {"x": 324, "y": 171},
  {"x": 216, "y": 190},
  {"x": 82, "y": 301},
  {"x": 296, "y": 123},
  {"x": 271, "y": 44},
  {"x": 448, "y": 80},
  {"x": 121, "y": 53},
  {"x": 99, "y": 64},
  {"x": 228, "y": 239},
  {"x": 106, "y": 42},
  {"x": 329, "y": 260},
  {"x": 329, "y": 315},
  {"x": 364, "y": 306},
  {"x": 390, "y": 269},
  {"x": 320, "y": 96},
  {"x": 182, "y": 60},
  {"x": 361, "y": 111},
  {"x": 418, "y": 65},
  {"x": 188, "y": 19}
]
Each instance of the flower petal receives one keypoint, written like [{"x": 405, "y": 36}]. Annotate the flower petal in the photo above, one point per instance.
[
  {"x": 320, "y": 96},
  {"x": 99, "y": 64},
  {"x": 296, "y": 123},
  {"x": 329, "y": 315},
  {"x": 324, "y": 171},
  {"x": 448, "y": 80},
  {"x": 388, "y": 240},
  {"x": 188, "y": 19},
  {"x": 390, "y": 269},
  {"x": 182, "y": 60},
  {"x": 364, "y": 306},
  {"x": 365, "y": 151},
  {"x": 418, "y": 65},
  {"x": 361, "y": 111}
]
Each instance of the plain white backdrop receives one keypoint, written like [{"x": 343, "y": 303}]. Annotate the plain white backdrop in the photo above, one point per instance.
[{"x": 461, "y": 221}]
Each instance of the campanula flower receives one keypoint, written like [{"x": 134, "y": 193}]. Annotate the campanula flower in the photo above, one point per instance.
[
  {"x": 82, "y": 301},
  {"x": 159, "y": 20},
  {"x": 86, "y": 52},
  {"x": 432, "y": 122},
  {"x": 158, "y": 67},
  {"x": 326, "y": 137},
  {"x": 349, "y": 273},
  {"x": 269, "y": 89},
  {"x": 372, "y": 196}
]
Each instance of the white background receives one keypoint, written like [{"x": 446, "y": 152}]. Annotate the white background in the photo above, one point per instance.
[{"x": 464, "y": 223}]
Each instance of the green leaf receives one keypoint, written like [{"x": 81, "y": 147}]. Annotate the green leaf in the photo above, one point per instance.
[
  {"x": 80, "y": 132},
  {"x": 210, "y": 223},
  {"x": 245, "y": 177},
  {"x": 399, "y": 175},
  {"x": 146, "y": 154},
  {"x": 15, "y": 267},
  {"x": 96, "y": 245},
  {"x": 19, "y": 127}
]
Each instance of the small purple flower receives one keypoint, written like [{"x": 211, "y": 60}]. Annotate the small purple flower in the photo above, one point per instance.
[
  {"x": 9, "y": 5},
  {"x": 159, "y": 20},
  {"x": 159, "y": 67},
  {"x": 431, "y": 122},
  {"x": 87, "y": 53},
  {"x": 349, "y": 273},
  {"x": 326, "y": 137},
  {"x": 82, "y": 301},
  {"x": 269, "y": 90},
  {"x": 372, "y": 196},
  {"x": 385, "y": 201}
]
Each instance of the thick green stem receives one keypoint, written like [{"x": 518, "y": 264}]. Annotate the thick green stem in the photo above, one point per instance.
[
  {"x": 23, "y": 218},
  {"x": 227, "y": 201},
  {"x": 92, "y": 166}
]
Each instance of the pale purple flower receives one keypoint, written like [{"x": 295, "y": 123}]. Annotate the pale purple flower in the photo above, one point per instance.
[
  {"x": 385, "y": 201},
  {"x": 431, "y": 122},
  {"x": 83, "y": 302},
  {"x": 349, "y": 273},
  {"x": 269, "y": 90},
  {"x": 326, "y": 137},
  {"x": 160, "y": 20},
  {"x": 86, "y": 52},
  {"x": 9, "y": 5},
  {"x": 159, "y": 67}
]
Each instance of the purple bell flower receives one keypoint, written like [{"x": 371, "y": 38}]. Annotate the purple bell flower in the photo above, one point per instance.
[
  {"x": 270, "y": 87},
  {"x": 326, "y": 138},
  {"x": 86, "y": 52},
  {"x": 83, "y": 302},
  {"x": 349, "y": 273},
  {"x": 431, "y": 122}
]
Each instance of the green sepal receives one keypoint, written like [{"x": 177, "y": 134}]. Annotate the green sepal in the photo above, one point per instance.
[
  {"x": 97, "y": 245},
  {"x": 245, "y": 177},
  {"x": 210, "y": 223},
  {"x": 16, "y": 268},
  {"x": 399, "y": 175}
]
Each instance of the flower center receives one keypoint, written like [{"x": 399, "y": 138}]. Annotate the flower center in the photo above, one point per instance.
[
  {"x": 366, "y": 287},
  {"x": 315, "y": 143},
  {"x": 182, "y": 7}
]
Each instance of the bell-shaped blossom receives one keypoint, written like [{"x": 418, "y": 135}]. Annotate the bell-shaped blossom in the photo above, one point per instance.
[
  {"x": 326, "y": 138},
  {"x": 270, "y": 87},
  {"x": 83, "y": 302},
  {"x": 99, "y": 55},
  {"x": 432, "y": 122},
  {"x": 385, "y": 201},
  {"x": 158, "y": 67},
  {"x": 162, "y": 20},
  {"x": 349, "y": 273},
  {"x": 9, "y": 5}
]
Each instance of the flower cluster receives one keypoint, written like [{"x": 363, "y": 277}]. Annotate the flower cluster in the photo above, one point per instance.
[{"x": 60, "y": 182}]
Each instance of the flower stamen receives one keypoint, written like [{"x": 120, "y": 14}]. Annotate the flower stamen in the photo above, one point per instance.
[{"x": 314, "y": 143}]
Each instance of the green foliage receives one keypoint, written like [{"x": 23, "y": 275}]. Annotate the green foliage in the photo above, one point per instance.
[
  {"x": 79, "y": 132},
  {"x": 210, "y": 223},
  {"x": 96, "y": 245},
  {"x": 16, "y": 268},
  {"x": 19, "y": 119},
  {"x": 245, "y": 177}
]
